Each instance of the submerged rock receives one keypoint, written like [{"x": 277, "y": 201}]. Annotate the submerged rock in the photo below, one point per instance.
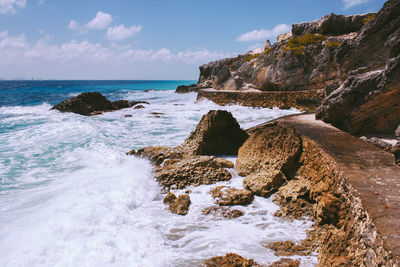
[
  {"x": 287, "y": 248},
  {"x": 178, "y": 205},
  {"x": 224, "y": 212},
  {"x": 218, "y": 133},
  {"x": 228, "y": 196},
  {"x": 286, "y": 262},
  {"x": 92, "y": 103},
  {"x": 230, "y": 260}
]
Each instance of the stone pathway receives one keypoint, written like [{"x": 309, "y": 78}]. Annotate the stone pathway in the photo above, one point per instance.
[{"x": 371, "y": 171}]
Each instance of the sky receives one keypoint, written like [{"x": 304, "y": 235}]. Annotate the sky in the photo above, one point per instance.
[{"x": 144, "y": 39}]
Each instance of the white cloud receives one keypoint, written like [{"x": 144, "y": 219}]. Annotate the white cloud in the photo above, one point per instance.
[
  {"x": 350, "y": 3},
  {"x": 101, "y": 21},
  {"x": 80, "y": 60},
  {"x": 73, "y": 25},
  {"x": 9, "y": 6},
  {"x": 120, "y": 32},
  {"x": 263, "y": 34}
]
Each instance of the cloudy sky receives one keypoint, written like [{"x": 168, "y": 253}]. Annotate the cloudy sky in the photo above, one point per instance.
[{"x": 144, "y": 39}]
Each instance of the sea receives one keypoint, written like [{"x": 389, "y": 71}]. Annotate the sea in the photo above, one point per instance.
[{"x": 70, "y": 196}]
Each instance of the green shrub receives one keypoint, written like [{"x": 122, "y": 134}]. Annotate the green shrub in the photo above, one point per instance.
[
  {"x": 332, "y": 44},
  {"x": 251, "y": 57},
  {"x": 296, "y": 44},
  {"x": 369, "y": 18}
]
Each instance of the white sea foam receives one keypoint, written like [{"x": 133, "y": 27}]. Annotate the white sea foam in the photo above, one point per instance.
[{"x": 70, "y": 196}]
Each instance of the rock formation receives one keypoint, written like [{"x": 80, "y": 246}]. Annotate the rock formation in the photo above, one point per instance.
[
  {"x": 230, "y": 260},
  {"x": 217, "y": 133},
  {"x": 367, "y": 101},
  {"x": 178, "y": 205},
  {"x": 92, "y": 103},
  {"x": 228, "y": 196}
]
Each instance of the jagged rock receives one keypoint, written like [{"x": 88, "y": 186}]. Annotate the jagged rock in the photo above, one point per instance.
[
  {"x": 272, "y": 148},
  {"x": 217, "y": 133},
  {"x": 264, "y": 183},
  {"x": 287, "y": 248},
  {"x": 293, "y": 190},
  {"x": 332, "y": 25},
  {"x": 182, "y": 89},
  {"x": 230, "y": 260},
  {"x": 223, "y": 212},
  {"x": 228, "y": 196},
  {"x": 92, "y": 103},
  {"x": 327, "y": 209},
  {"x": 378, "y": 143},
  {"x": 397, "y": 132},
  {"x": 267, "y": 45},
  {"x": 284, "y": 37},
  {"x": 178, "y": 205},
  {"x": 286, "y": 262},
  {"x": 367, "y": 100},
  {"x": 298, "y": 209},
  {"x": 195, "y": 170},
  {"x": 224, "y": 163}
]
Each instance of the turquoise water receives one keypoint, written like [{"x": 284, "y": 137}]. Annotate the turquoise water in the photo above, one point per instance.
[{"x": 69, "y": 195}]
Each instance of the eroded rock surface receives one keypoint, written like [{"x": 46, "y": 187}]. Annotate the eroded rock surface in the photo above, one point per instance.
[
  {"x": 286, "y": 262},
  {"x": 264, "y": 183},
  {"x": 224, "y": 212},
  {"x": 218, "y": 133},
  {"x": 228, "y": 196},
  {"x": 178, "y": 205},
  {"x": 230, "y": 260},
  {"x": 93, "y": 103}
]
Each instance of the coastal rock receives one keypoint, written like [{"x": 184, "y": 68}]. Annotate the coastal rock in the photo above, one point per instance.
[
  {"x": 293, "y": 190},
  {"x": 196, "y": 170},
  {"x": 367, "y": 99},
  {"x": 332, "y": 25},
  {"x": 287, "y": 248},
  {"x": 228, "y": 196},
  {"x": 396, "y": 152},
  {"x": 92, "y": 103},
  {"x": 223, "y": 212},
  {"x": 218, "y": 133},
  {"x": 272, "y": 148},
  {"x": 327, "y": 209},
  {"x": 178, "y": 205},
  {"x": 285, "y": 262},
  {"x": 264, "y": 183},
  {"x": 183, "y": 89},
  {"x": 230, "y": 260},
  {"x": 397, "y": 132},
  {"x": 138, "y": 107},
  {"x": 85, "y": 104},
  {"x": 378, "y": 143}
]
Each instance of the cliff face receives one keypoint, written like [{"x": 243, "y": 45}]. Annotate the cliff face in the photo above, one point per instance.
[
  {"x": 368, "y": 99},
  {"x": 301, "y": 60}
]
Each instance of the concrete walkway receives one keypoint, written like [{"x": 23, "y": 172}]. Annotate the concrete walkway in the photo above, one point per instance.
[{"x": 371, "y": 171}]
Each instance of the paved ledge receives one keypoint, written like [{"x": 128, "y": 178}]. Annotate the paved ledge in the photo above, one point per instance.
[
  {"x": 369, "y": 170},
  {"x": 304, "y": 100}
]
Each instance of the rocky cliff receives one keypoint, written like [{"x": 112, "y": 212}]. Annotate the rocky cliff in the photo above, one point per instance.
[{"x": 301, "y": 60}]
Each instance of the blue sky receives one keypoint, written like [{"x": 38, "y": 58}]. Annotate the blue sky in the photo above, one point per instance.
[{"x": 144, "y": 39}]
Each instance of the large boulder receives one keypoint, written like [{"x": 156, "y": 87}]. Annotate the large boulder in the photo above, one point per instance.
[
  {"x": 85, "y": 104},
  {"x": 273, "y": 147},
  {"x": 264, "y": 183},
  {"x": 93, "y": 103},
  {"x": 218, "y": 133},
  {"x": 367, "y": 101}
]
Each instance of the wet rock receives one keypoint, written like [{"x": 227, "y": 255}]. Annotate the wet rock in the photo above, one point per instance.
[
  {"x": 92, "y": 103},
  {"x": 85, "y": 104},
  {"x": 128, "y": 116},
  {"x": 138, "y": 107},
  {"x": 195, "y": 170},
  {"x": 298, "y": 209},
  {"x": 230, "y": 260},
  {"x": 224, "y": 212},
  {"x": 286, "y": 262},
  {"x": 264, "y": 183},
  {"x": 224, "y": 163},
  {"x": 131, "y": 152},
  {"x": 228, "y": 196},
  {"x": 182, "y": 89},
  {"x": 217, "y": 133},
  {"x": 178, "y": 205},
  {"x": 287, "y": 248},
  {"x": 273, "y": 147},
  {"x": 293, "y": 190},
  {"x": 327, "y": 209}
]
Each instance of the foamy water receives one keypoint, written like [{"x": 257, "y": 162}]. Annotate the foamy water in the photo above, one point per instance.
[{"x": 70, "y": 196}]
